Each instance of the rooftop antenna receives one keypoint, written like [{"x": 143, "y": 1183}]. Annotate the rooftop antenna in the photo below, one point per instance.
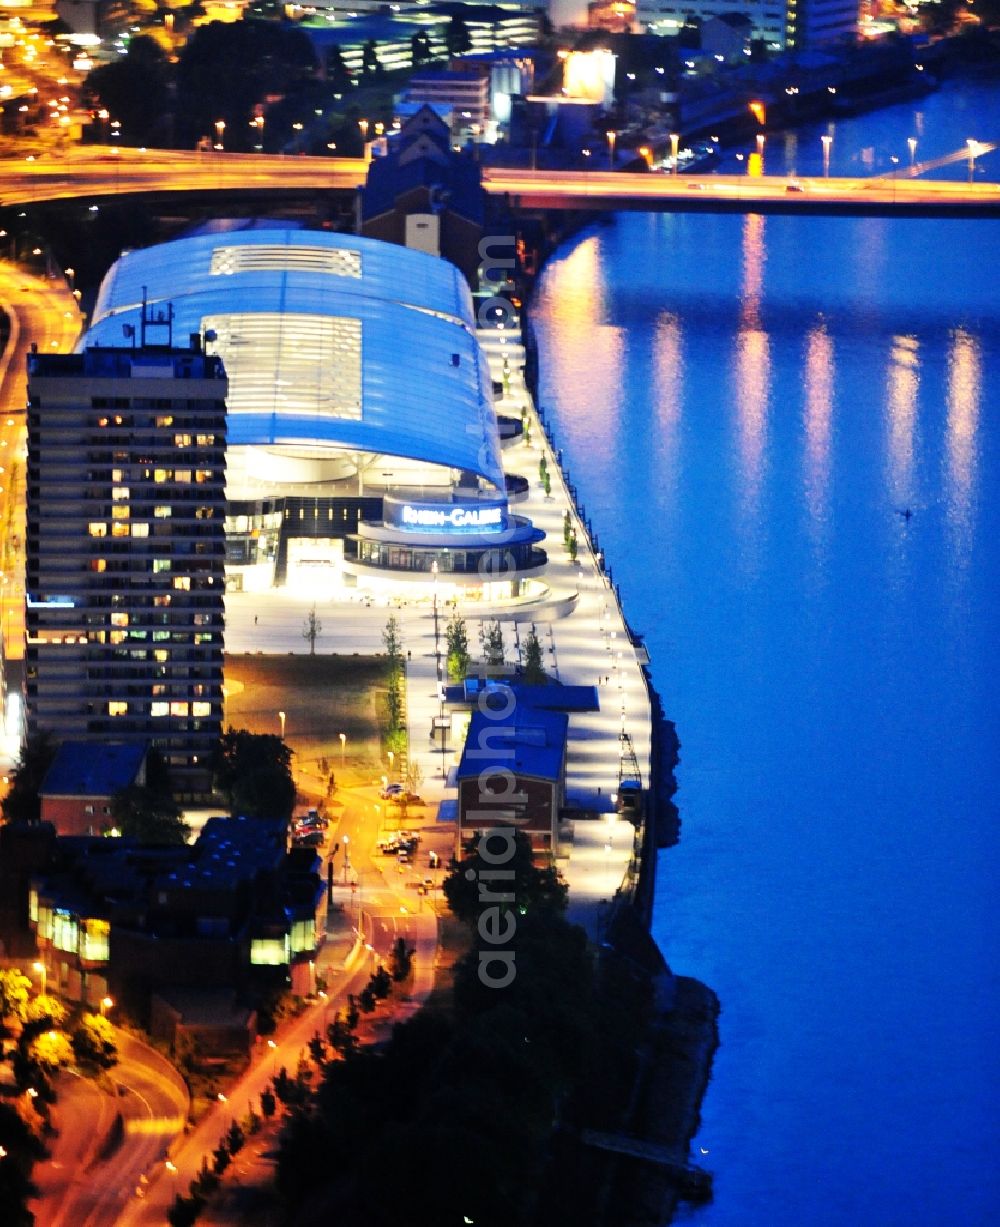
[{"x": 162, "y": 318}]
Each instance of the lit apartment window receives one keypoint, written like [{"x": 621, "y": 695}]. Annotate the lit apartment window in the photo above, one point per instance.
[
  {"x": 182, "y": 475},
  {"x": 119, "y": 619},
  {"x": 269, "y": 952},
  {"x": 203, "y": 637},
  {"x": 119, "y": 529},
  {"x": 205, "y": 440},
  {"x": 162, "y": 512},
  {"x": 165, "y": 420},
  {"x": 117, "y": 474},
  {"x": 97, "y": 528},
  {"x": 119, "y": 493},
  {"x": 117, "y": 636},
  {"x": 161, "y": 655},
  {"x": 98, "y": 564},
  {"x": 140, "y": 530},
  {"x": 202, "y": 475},
  {"x": 161, "y": 475},
  {"x": 161, "y": 599},
  {"x": 159, "y": 709},
  {"x": 95, "y": 941},
  {"x": 120, "y": 513},
  {"x": 182, "y": 583},
  {"x": 182, "y": 440},
  {"x": 201, "y": 709},
  {"x": 116, "y": 707},
  {"x": 179, "y": 709},
  {"x": 160, "y": 564}
]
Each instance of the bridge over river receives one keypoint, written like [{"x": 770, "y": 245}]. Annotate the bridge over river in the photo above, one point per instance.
[{"x": 93, "y": 174}]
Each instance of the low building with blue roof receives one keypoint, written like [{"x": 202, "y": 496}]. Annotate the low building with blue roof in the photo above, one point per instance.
[
  {"x": 512, "y": 771},
  {"x": 84, "y": 776}
]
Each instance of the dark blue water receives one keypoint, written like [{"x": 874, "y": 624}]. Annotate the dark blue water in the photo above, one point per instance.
[{"x": 747, "y": 404}]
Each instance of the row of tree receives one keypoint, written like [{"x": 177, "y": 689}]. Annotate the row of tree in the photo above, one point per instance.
[
  {"x": 47, "y": 1038},
  {"x": 224, "y": 73}
]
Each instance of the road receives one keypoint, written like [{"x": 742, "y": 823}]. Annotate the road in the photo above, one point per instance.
[
  {"x": 89, "y": 1176},
  {"x": 97, "y": 172}
]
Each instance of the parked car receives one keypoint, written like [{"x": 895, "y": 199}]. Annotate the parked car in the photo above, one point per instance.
[
  {"x": 310, "y": 839},
  {"x": 392, "y": 792}
]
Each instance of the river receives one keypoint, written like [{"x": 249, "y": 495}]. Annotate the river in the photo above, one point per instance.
[{"x": 785, "y": 431}]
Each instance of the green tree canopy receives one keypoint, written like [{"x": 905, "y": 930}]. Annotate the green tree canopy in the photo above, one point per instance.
[
  {"x": 254, "y": 772},
  {"x": 136, "y": 90},
  {"x": 456, "y": 36},
  {"x": 534, "y": 888},
  {"x": 93, "y": 1041},
  {"x": 22, "y": 803},
  {"x": 148, "y": 816},
  {"x": 226, "y": 69},
  {"x": 534, "y": 670}
]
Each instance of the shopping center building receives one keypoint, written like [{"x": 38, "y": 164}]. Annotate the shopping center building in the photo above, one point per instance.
[{"x": 364, "y": 450}]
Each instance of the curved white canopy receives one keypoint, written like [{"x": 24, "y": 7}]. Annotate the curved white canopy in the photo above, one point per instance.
[{"x": 326, "y": 338}]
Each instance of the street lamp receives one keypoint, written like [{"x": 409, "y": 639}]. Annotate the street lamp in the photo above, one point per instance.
[
  {"x": 281, "y": 717},
  {"x": 363, "y": 125},
  {"x": 675, "y": 139},
  {"x": 258, "y": 123},
  {"x": 343, "y": 747},
  {"x": 41, "y": 969},
  {"x": 220, "y": 129},
  {"x": 760, "y": 144},
  {"x": 895, "y": 162},
  {"x": 347, "y": 856},
  {"x": 827, "y": 142},
  {"x": 106, "y": 1004},
  {"x": 912, "y": 143},
  {"x": 973, "y": 148},
  {"x": 611, "y": 135}
]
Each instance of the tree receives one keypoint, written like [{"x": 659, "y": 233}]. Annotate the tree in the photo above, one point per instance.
[
  {"x": 402, "y": 960},
  {"x": 311, "y": 627},
  {"x": 493, "y": 646},
  {"x": 337, "y": 72},
  {"x": 45, "y": 1009},
  {"x": 420, "y": 48},
  {"x": 148, "y": 817},
  {"x": 456, "y": 36},
  {"x": 22, "y": 803},
  {"x": 535, "y": 889},
  {"x": 93, "y": 1041},
  {"x": 226, "y": 69},
  {"x": 254, "y": 771},
  {"x": 546, "y": 483},
  {"x": 50, "y": 1051},
  {"x": 457, "y": 640},
  {"x": 392, "y": 641},
  {"x": 14, "y": 989},
  {"x": 534, "y": 670},
  {"x": 135, "y": 89},
  {"x": 371, "y": 65}
]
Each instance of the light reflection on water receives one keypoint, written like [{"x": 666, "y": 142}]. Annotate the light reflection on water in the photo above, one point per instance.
[{"x": 746, "y": 405}]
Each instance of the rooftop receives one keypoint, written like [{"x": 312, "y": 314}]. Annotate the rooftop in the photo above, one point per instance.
[{"x": 93, "y": 769}]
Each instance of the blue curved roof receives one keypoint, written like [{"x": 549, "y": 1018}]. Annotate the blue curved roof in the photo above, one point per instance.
[{"x": 326, "y": 338}]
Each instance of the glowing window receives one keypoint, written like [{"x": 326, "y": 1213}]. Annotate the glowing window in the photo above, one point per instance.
[
  {"x": 178, "y": 708},
  {"x": 201, "y": 709},
  {"x": 117, "y": 707},
  {"x": 97, "y": 528},
  {"x": 140, "y": 530},
  {"x": 159, "y": 709}
]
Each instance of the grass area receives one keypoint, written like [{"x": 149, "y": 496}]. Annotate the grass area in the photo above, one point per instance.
[{"x": 322, "y": 697}]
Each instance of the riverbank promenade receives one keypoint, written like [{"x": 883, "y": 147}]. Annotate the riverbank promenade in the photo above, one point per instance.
[{"x": 578, "y": 621}]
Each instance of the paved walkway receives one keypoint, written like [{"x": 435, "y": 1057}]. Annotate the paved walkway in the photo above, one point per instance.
[{"x": 583, "y": 635}]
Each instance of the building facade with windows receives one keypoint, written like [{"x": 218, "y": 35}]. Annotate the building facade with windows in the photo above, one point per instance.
[
  {"x": 780, "y": 24},
  {"x": 125, "y": 551}
]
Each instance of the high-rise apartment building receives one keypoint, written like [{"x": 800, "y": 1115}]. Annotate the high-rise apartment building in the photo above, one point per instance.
[
  {"x": 125, "y": 564},
  {"x": 780, "y": 24}
]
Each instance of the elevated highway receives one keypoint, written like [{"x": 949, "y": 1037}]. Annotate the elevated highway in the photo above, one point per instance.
[{"x": 92, "y": 174}]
